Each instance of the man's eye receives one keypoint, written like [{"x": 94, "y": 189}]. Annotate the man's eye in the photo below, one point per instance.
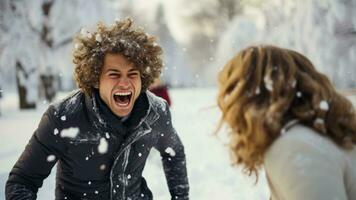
[
  {"x": 113, "y": 75},
  {"x": 133, "y": 75}
]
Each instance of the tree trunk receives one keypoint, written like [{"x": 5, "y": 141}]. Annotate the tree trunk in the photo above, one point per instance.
[
  {"x": 21, "y": 77},
  {"x": 48, "y": 86}
]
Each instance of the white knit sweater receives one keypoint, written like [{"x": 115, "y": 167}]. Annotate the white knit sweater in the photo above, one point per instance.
[{"x": 303, "y": 165}]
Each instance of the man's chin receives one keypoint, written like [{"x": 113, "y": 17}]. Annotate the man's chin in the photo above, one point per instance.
[{"x": 122, "y": 112}]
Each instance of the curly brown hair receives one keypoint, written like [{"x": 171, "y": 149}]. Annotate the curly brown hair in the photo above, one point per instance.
[
  {"x": 122, "y": 37},
  {"x": 263, "y": 87}
]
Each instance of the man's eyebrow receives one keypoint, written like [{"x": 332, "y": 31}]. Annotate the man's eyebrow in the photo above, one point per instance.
[
  {"x": 111, "y": 70},
  {"x": 134, "y": 70}
]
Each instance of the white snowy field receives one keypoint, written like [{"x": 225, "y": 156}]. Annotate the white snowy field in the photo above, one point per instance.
[{"x": 195, "y": 117}]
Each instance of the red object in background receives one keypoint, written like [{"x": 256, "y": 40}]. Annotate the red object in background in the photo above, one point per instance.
[{"x": 161, "y": 91}]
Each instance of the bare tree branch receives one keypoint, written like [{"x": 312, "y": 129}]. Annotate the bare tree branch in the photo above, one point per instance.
[{"x": 63, "y": 43}]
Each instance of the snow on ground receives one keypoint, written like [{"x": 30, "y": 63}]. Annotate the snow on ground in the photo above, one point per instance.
[{"x": 195, "y": 117}]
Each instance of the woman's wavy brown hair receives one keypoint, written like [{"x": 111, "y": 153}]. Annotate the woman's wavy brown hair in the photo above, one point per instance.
[
  {"x": 263, "y": 87},
  {"x": 122, "y": 37}
]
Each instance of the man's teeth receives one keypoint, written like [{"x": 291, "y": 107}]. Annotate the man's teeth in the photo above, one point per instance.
[
  {"x": 123, "y": 93},
  {"x": 123, "y": 98}
]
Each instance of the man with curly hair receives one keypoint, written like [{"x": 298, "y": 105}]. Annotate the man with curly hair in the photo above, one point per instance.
[{"x": 100, "y": 136}]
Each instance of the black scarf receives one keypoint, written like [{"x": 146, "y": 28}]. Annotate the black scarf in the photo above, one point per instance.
[{"x": 123, "y": 125}]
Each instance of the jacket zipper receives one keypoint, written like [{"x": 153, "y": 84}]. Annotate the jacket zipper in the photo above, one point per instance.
[{"x": 117, "y": 157}]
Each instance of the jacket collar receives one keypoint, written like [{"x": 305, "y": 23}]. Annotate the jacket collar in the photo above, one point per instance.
[
  {"x": 96, "y": 116},
  {"x": 152, "y": 112}
]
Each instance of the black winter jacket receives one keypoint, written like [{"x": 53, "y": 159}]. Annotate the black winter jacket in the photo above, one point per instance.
[{"x": 95, "y": 159}]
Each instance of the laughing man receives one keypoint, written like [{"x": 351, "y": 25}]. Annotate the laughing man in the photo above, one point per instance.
[{"x": 101, "y": 135}]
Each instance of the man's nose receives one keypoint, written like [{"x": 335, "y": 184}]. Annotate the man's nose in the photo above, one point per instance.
[{"x": 123, "y": 82}]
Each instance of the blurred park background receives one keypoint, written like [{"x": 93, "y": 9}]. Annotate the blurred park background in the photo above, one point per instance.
[{"x": 198, "y": 37}]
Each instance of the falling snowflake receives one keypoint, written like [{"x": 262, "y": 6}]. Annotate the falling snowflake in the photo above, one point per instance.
[
  {"x": 170, "y": 151},
  {"x": 103, "y": 146},
  {"x": 63, "y": 118},
  {"x": 148, "y": 70},
  {"x": 268, "y": 83},
  {"x": 299, "y": 94},
  {"x": 323, "y": 105},
  {"x": 70, "y": 132},
  {"x": 55, "y": 132},
  {"x": 51, "y": 158},
  {"x": 257, "y": 91},
  {"x": 98, "y": 37}
]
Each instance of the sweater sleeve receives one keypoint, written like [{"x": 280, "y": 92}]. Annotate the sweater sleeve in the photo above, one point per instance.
[
  {"x": 173, "y": 158},
  {"x": 299, "y": 167},
  {"x": 36, "y": 161}
]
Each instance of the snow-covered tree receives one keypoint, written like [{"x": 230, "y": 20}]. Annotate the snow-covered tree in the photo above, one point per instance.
[
  {"x": 326, "y": 32},
  {"x": 323, "y": 30},
  {"x": 197, "y": 36},
  {"x": 197, "y": 26},
  {"x": 19, "y": 54},
  {"x": 36, "y": 42}
]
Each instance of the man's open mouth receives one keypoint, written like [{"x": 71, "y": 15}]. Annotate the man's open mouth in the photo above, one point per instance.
[{"x": 122, "y": 98}]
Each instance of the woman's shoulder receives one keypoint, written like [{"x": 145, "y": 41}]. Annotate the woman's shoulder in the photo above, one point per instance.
[
  {"x": 302, "y": 161},
  {"x": 302, "y": 145},
  {"x": 303, "y": 138}
]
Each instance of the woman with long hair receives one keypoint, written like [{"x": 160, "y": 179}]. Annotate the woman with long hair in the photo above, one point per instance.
[{"x": 287, "y": 117}]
